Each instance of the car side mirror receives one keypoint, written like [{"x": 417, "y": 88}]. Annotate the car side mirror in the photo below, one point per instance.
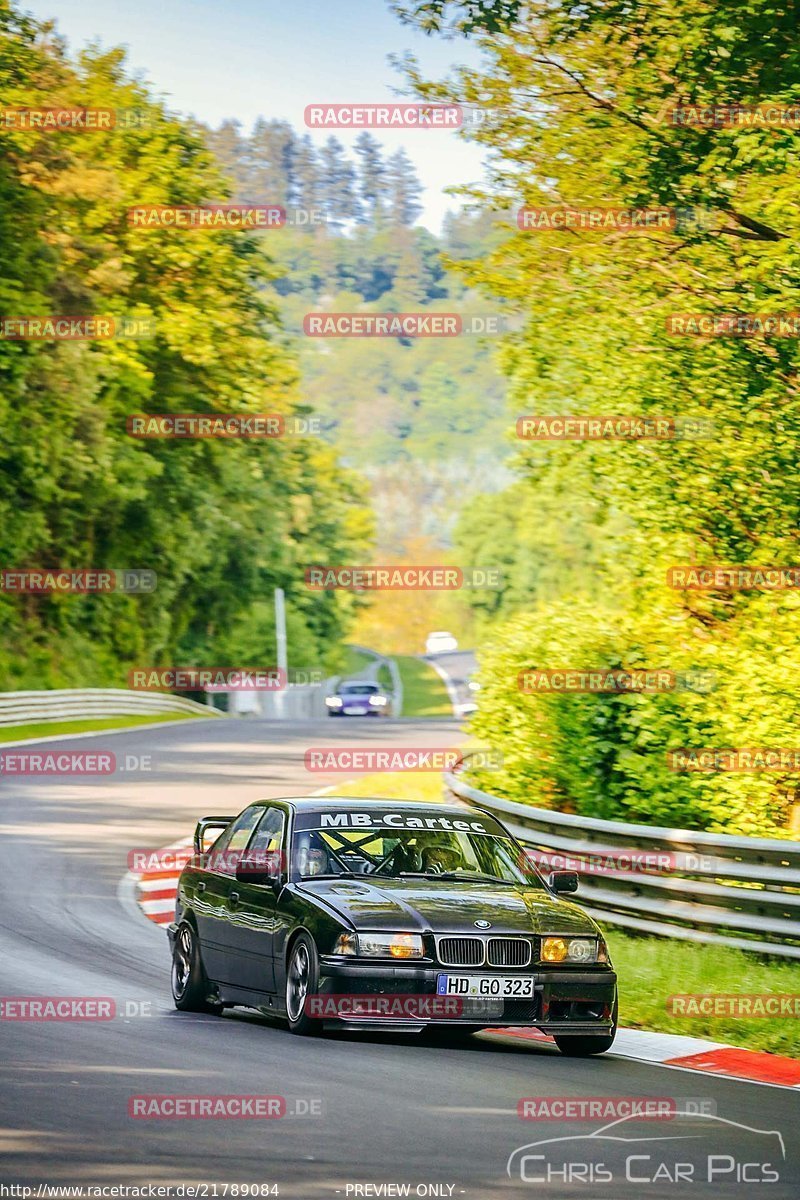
[
  {"x": 260, "y": 868},
  {"x": 563, "y": 881}
]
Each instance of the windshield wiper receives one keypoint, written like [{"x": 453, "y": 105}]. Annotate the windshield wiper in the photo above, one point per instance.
[
  {"x": 329, "y": 875},
  {"x": 474, "y": 875}
]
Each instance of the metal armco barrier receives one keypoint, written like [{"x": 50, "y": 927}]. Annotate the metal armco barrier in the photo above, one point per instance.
[
  {"x": 76, "y": 704},
  {"x": 719, "y": 889}
]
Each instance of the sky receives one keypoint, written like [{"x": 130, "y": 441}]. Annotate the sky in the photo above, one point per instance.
[{"x": 246, "y": 58}]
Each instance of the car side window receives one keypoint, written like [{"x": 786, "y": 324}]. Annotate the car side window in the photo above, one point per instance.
[
  {"x": 269, "y": 835},
  {"x": 235, "y": 838}
]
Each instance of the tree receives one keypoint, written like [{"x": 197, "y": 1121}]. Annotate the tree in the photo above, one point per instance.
[
  {"x": 270, "y": 164},
  {"x": 403, "y": 189},
  {"x": 339, "y": 182},
  {"x": 221, "y": 523},
  {"x": 583, "y": 99},
  {"x": 372, "y": 177},
  {"x": 308, "y": 175}
]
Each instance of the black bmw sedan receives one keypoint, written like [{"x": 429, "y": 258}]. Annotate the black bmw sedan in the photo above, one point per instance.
[{"x": 390, "y": 915}]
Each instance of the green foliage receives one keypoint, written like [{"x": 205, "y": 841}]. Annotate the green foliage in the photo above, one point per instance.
[
  {"x": 606, "y": 755},
  {"x": 221, "y": 523},
  {"x": 652, "y": 969},
  {"x": 580, "y": 99},
  {"x": 464, "y": 16}
]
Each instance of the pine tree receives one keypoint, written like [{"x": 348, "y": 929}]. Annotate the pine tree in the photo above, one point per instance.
[
  {"x": 231, "y": 149},
  {"x": 338, "y": 182},
  {"x": 309, "y": 188},
  {"x": 372, "y": 177},
  {"x": 403, "y": 189},
  {"x": 271, "y": 152}
]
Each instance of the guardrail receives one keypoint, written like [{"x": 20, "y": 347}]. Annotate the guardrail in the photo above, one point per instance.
[
  {"x": 378, "y": 661},
  {"x": 718, "y": 889},
  {"x": 77, "y": 704}
]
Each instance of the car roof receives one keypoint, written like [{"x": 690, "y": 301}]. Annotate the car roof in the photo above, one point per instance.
[{"x": 355, "y": 803}]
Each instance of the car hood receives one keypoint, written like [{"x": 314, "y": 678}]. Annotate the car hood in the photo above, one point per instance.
[{"x": 448, "y": 907}]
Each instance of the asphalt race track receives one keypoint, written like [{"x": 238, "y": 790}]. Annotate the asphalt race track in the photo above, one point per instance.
[{"x": 379, "y": 1110}]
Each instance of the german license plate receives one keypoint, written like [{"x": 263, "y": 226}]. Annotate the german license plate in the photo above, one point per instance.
[
  {"x": 502, "y": 987},
  {"x": 351, "y": 711}
]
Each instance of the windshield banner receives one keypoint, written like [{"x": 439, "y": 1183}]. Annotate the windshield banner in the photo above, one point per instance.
[{"x": 387, "y": 820}]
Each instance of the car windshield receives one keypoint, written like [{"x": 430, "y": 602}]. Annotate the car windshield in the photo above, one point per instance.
[
  {"x": 358, "y": 689},
  {"x": 404, "y": 854}
]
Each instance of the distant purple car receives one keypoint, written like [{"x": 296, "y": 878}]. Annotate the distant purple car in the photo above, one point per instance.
[{"x": 358, "y": 698}]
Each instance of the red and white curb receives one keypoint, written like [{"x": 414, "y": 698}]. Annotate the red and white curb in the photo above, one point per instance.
[
  {"x": 155, "y": 890},
  {"x": 695, "y": 1054}
]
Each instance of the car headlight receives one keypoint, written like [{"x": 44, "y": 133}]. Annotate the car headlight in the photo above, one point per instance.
[
  {"x": 377, "y": 700},
  {"x": 333, "y": 701},
  {"x": 380, "y": 945},
  {"x": 574, "y": 950}
]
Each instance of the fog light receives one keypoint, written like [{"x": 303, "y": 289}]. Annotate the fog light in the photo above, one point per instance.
[
  {"x": 554, "y": 949},
  {"x": 405, "y": 945}
]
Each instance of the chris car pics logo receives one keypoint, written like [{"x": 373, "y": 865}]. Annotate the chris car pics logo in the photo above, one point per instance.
[{"x": 626, "y": 1156}]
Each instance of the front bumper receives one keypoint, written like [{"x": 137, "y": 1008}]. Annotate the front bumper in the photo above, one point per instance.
[
  {"x": 563, "y": 1001},
  {"x": 361, "y": 712}
]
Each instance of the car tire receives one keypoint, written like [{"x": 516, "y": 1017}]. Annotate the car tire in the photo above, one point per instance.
[
  {"x": 190, "y": 985},
  {"x": 585, "y": 1046},
  {"x": 302, "y": 981}
]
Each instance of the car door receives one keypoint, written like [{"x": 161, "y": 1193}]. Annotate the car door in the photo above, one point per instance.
[
  {"x": 252, "y": 909},
  {"x": 212, "y": 892}
]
